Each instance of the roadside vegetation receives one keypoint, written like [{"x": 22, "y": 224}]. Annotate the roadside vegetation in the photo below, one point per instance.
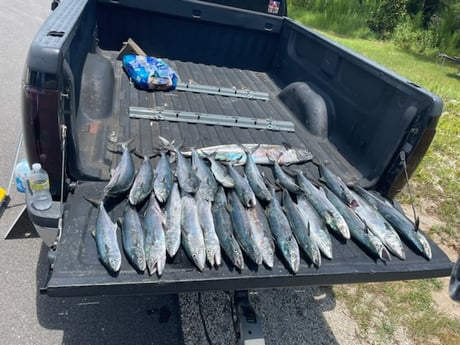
[{"x": 408, "y": 43}]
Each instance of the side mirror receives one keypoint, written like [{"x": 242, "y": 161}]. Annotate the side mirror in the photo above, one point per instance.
[{"x": 454, "y": 286}]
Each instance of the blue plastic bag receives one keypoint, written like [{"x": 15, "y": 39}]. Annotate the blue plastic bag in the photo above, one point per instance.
[{"x": 149, "y": 73}]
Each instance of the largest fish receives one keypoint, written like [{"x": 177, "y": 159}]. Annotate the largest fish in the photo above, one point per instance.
[{"x": 236, "y": 154}]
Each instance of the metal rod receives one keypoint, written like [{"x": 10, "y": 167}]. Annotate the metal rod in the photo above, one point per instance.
[
  {"x": 210, "y": 119},
  {"x": 222, "y": 91},
  {"x": 21, "y": 137}
]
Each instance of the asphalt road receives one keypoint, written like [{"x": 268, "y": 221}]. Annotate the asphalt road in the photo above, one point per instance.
[{"x": 289, "y": 316}]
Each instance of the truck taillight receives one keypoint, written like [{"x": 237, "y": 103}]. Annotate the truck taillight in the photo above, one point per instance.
[{"x": 40, "y": 110}]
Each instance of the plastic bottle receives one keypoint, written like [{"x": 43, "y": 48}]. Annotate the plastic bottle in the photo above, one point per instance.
[
  {"x": 21, "y": 173},
  {"x": 40, "y": 187}
]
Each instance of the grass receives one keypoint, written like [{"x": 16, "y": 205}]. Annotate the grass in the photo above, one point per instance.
[{"x": 385, "y": 310}]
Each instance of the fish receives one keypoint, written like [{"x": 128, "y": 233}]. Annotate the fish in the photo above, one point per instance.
[
  {"x": 318, "y": 230},
  {"x": 282, "y": 233},
  {"x": 192, "y": 234},
  {"x": 256, "y": 181},
  {"x": 224, "y": 229},
  {"x": 242, "y": 187},
  {"x": 379, "y": 227},
  {"x": 405, "y": 228},
  {"x": 301, "y": 230},
  {"x": 122, "y": 177},
  {"x": 186, "y": 176},
  {"x": 211, "y": 240},
  {"x": 105, "y": 234},
  {"x": 242, "y": 228},
  {"x": 208, "y": 184},
  {"x": 143, "y": 183},
  {"x": 154, "y": 237},
  {"x": 358, "y": 229},
  {"x": 261, "y": 233},
  {"x": 282, "y": 178},
  {"x": 336, "y": 185},
  {"x": 164, "y": 178},
  {"x": 220, "y": 173},
  {"x": 235, "y": 154},
  {"x": 133, "y": 238},
  {"x": 172, "y": 226},
  {"x": 323, "y": 206}
]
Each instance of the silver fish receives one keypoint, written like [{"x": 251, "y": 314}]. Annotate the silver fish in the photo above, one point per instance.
[
  {"x": 220, "y": 173},
  {"x": 154, "y": 237},
  {"x": 208, "y": 184},
  {"x": 211, "y": 241},
  {"x": 317, "y": 226},
  {"x": 261, "y": 233},
  {"x": 358, "y": 229},
  {"x": 301, "y": 230},
  {"x": 256, "y": 181},
  {"x": 105, "y": 235},
  {"x": 164, "y": 179},
  {"x": 186, "y": 176},
  {"x": 284, "y": 179},
  {"x": 172, "y": 226},
  {"x": 323, "y": 206},
  {"x": 143, "y": 183},
  {"x": 337, "y": 186},
  {"x": 133, "y": 237},
  {"x": 282, "y": 233},
  {"x": 224, "y": 229},
  {"x": 122, "y": 176},
  {"x": 192, "y": 234},
  {"x": 236, "y": 155},
  {"x": 405, "y": 228},
  {"x": 242, "y": 228},
  {"x": 379, "y": 227},
  {"x": 242, "y": 188}
]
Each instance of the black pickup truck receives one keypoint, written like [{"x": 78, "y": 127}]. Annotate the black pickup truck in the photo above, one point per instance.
[{"x": 236, "y": 59}]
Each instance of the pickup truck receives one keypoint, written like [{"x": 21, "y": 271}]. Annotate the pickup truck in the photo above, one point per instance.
[{"x": 371, "y": 125}]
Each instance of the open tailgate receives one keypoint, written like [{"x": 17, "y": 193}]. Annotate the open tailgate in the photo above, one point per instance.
[{"x": 77, "y": 270}]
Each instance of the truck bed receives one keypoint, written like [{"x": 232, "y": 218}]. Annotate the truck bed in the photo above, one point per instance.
[{"x": 103, "y": 120}]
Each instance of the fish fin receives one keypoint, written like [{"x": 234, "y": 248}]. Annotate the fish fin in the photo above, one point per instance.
[
  {"x": 93, "y": 231},
  {"x": 308, "y": 229}
]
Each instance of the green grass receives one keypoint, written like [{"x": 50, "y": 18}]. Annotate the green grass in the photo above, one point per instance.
[{"x": 383, "y": 309}]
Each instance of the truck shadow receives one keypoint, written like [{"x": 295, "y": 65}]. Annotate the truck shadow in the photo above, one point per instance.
[
  {"x": 109, "y": 319},
  {"x": 289, "y": 316}
]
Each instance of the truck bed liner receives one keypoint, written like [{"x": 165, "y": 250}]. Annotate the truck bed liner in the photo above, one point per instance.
[
  {"x": 115, "y": 125},
  {"x": 77, "y": 270}
]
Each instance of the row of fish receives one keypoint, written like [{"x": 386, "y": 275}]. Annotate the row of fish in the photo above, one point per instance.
[{"x": 248, "y": 217}]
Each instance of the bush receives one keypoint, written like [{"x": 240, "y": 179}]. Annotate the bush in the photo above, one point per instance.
[
  {"x": 409, "y": 35},
  {"x": 386, "y": 17}
]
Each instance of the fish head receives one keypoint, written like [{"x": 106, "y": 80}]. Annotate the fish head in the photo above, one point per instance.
[
  {"x": 139, "y": 258},
  {"x": 394, "y": 244},
  {"x": 425, "y": 245},
  {"x": 115, "y": 263},
  {"x": 199, "y": 257},
  {"x": 238, "y": 259}
]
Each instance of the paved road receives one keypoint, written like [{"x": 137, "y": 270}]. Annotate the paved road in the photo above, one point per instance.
[{"x": 290, "y": 316}]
